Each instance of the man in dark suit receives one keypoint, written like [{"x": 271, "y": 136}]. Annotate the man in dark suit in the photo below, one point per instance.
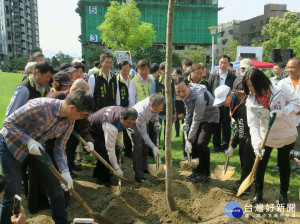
[{"x": 223, "y": 76}]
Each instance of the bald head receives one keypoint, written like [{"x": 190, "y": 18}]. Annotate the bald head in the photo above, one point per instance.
[
  {"x": 293, "y": 68},
  {"x": 79, "y": 84}
]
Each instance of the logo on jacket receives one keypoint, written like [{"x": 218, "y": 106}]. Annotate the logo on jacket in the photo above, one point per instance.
[{"x": 259, "y": 113}]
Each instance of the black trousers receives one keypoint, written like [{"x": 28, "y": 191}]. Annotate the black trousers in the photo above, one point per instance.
[
  {"x": 284, "y": 167},
  {"x": 127, "y": 143},
  {"x": 247, "y": 157},
  {"x": 222, "y": 129},
  {"x": 200, "y": 147}
]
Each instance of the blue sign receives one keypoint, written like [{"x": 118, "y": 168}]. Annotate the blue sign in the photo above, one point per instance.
[{"x": 233, "y": 210}]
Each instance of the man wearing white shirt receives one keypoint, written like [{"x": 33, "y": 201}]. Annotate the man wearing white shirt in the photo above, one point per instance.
[
  {"x": 123, "y": 80},
  {"x": 292, "y": 82},
  {"x": 148, "y": 110},
  {"x": 222, "y": 77},
  {"x": 103, "y": 84}
]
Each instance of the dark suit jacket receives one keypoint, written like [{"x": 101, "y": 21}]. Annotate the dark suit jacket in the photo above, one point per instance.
[{"x": 214, "y": 81}]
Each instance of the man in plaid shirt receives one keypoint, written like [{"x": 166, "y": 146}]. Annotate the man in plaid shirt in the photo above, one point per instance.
[{"x": 21, "y": 138}]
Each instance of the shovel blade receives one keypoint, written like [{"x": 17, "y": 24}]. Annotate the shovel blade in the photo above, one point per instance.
[
  {"x": 99, "y": 218},
  {"x": 246, "y": 183},
  {"x": 221, "y": 174},
  {"x": 189, "y": 166},
  {"x": 157, "y": 172}
]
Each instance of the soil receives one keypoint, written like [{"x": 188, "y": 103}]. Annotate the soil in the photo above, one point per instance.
[{"x": 146, "y": 202}]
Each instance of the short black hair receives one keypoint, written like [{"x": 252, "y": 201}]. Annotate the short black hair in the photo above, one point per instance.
[
  {"x": 82, "y": 99},
  {"x": 43, "y": 67},
  {"x": 106, "y": 55},
  {"x": 162, "y": 66},
  {"x": 180, "y": 80},
  {"x": 142, "y": 64},
  {"x": 225, "y": 56},
  {"x": 259, "y": 81},
  {"x": 129, "y": 113},
  {"x": 121, "y": 64},
  {"x": 187, "y": 62},
  {"x": 280, "y": 65},
  {"x": 96, "y": 63},
  {"x": 3, "y": 182},
  {"x": 177, "y": 70},
  {"x": 154, "y": 67}
]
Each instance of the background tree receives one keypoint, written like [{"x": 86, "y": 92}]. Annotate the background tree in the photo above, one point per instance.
[
  {"x": 230, "y": 49},
  {"x": 36, "y": 49},
  {"x": 60, "y": 58},
  {"x": 16, "y": 63},
  {"x": 280, "y": 31},
  {"x": 169, "y": 108},
  {"x": 91, "y": 54},
  {"x": 123, "y": 30},
  {"x": 295, "y": 45},
  {"x": 195, "y": 53}
]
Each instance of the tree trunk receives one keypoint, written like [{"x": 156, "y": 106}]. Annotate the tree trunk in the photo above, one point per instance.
[{"x": 169, "y": 104}]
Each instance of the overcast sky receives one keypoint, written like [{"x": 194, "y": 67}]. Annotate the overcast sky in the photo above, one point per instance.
[{"x": 60, "y": 25}]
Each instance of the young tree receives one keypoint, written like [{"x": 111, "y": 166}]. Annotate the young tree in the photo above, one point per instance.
[
  {"x": 280, "y": 31},
  {"x": 123, "y": 30},
  {"x": 295, "y": 45},
  {"x": 231, "y": 48},
  {"x": 195, "y": 53},
  {"x": 60, "y": 58},
  {"x": 169, "y": 113}
]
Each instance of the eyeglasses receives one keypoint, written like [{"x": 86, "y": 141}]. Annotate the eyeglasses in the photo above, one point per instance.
[{"x": 82, "y": 115}]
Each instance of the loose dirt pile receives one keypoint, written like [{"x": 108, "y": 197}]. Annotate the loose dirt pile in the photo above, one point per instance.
[{"x": 146, "y": 203}]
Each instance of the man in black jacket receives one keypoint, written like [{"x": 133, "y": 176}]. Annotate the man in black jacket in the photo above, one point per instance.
[
  {"x": 221, "y": 77},
  {"x": 236, "y": 100}
]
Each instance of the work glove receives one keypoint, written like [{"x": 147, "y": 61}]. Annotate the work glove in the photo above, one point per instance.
[
  {"x": 89, "y": 147},
  {"x": 188, "y": 147},
  {"x": 119, "y": 172},
  {"x": 259, "y": 154},
  {"x": 185, "y": 127},
  {"x": 67, "y": 177},
  {"x": 34, "y": 147},
  {"x": 279, "y": 113},
  {"x": 156, "y": 151},
  {"x": 229, "y": 151},
  {"x": 120, "y": 145},
  {"x": 157, "y": 127}
]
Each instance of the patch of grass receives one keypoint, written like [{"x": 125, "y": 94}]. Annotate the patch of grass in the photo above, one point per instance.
[{"x": 9, "y": 81}]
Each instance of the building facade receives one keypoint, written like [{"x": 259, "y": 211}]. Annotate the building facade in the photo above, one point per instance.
[
  {"x": 191, "y": 20},
  {"x": 227, "y": 31},
  {"x": 19, "y": 31},
  {"x": 250, "y": 30}
]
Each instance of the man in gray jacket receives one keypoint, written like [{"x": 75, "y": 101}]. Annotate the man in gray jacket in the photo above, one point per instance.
[
  {"x": 201, "y": 118},
  {"x": 148, "y": 110}
]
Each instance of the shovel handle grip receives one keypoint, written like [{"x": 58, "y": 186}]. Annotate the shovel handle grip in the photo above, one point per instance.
[
  {"x": 72, "y": 191},
  {"x": 271, "y": 121}
]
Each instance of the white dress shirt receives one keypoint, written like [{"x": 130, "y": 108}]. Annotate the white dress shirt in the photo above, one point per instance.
[
  {"x": 223, "y": 77},
  {"x": 118, "y": 100},
  {"x": 91, "y": 82}
]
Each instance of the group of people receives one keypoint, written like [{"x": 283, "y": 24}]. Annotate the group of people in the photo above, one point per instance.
[{"x": 103, "y": 107}]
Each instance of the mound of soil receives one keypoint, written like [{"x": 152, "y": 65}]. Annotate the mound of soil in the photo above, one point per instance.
[{"x": 146, "y": 202}]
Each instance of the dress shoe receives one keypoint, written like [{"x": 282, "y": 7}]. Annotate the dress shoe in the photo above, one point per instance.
[
  {"x": 283, "y": 199},
  {"x": 105, "y": 183},
  {"x": 193, "y": 175},
  {"x": 257, "y": 198},
  {"x": 200, "y": 179},
  {"x": 146, "y": 171},
  {"x": 238, "y": 182},
  {"x": 140, "y": 180}
]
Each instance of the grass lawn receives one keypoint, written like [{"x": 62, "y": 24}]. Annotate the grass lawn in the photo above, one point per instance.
[{"x": 9, "y": 81}]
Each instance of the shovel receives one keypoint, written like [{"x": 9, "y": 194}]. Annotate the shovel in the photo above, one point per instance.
[
  {"x": 157, "y": 169},
  {"x": 189, "y": 164},
  {"x": 101, "y": 159},
  {"x": 94, "y": 215},
  {"x": 249, "y": 180},
  {"x": 224, "y": 172}
]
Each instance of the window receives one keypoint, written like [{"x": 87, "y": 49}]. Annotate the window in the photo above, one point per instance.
[
  {"x": 7, "y": 9},
  {"x": 179, "y": 47},
  {"x": 261, "y": 23}
]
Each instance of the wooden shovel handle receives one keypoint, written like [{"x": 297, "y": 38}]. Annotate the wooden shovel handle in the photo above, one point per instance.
[
  {"x": 72, "y": 191},
  {"x": 187, "y": 153}
]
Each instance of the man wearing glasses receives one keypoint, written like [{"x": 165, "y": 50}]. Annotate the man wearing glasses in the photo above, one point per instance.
[{"x": 21, "y": 138}]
